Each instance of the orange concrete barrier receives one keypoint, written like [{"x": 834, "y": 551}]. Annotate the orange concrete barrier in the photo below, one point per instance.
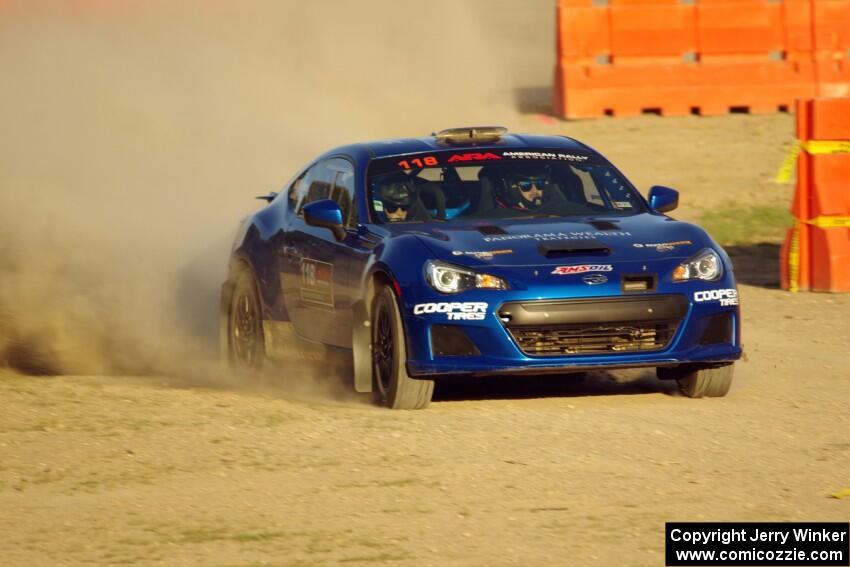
[
  {"x": 816, "y": 252},
  {"x": 625, "y": 57}
]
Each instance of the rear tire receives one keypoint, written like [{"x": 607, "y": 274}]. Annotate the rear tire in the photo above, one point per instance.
[
  {"x": 706, "y": 382},
  {"x": 392, "y": 385},
  {"x": 246, "y": 345}
]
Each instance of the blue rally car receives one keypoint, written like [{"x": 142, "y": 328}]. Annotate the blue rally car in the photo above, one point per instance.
[{"x": 477, "y": 252}]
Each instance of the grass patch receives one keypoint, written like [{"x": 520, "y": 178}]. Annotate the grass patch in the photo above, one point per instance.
[{"x": 738, "y": 224}]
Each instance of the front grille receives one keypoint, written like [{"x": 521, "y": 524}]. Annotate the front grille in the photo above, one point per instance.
[
  {"x": 594, "y": 325},
  {"x": 593, "y": 338}
]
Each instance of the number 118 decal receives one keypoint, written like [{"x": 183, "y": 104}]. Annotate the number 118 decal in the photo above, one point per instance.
[
  {"x": 317, "y": 283},
  {"x": 418, "y": 163}
]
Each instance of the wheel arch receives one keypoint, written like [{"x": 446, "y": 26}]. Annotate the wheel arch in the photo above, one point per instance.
[{"x": 361, "y": 339}]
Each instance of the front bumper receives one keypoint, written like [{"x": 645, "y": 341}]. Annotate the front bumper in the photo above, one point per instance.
[{"x": 499, "y": 348}]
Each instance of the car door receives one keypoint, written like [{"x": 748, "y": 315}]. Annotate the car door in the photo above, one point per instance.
[{"x": 315, "y": 279}]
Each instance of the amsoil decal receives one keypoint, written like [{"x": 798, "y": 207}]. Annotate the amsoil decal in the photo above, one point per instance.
[
  {"x": 548, "y": 236},
  {"x": 454, "y": 311},
  {"x": 473, "y": 156},
  {"x": 317, "y": 283},
  {"x": 582, "y": 269},
  {"x": 724, "y": 296}
]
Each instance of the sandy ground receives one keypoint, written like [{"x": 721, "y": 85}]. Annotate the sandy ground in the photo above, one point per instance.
[
  {"x": 108, "y": 470},
  {"x": 123, "y": 127}
]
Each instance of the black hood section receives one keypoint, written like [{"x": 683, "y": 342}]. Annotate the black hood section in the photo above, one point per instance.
[
  {"x": 489, "y": 229},
  {"x": 603, "y": 224},
  {"x": 567, "y": 248}
]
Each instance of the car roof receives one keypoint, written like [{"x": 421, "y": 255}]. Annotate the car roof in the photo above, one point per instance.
[{"x": 403, "y": 146}]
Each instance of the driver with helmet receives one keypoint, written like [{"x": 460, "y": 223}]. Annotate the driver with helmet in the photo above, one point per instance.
[
  {"x": 400, "y": 199},
  {"x": 526, "y": 187}
]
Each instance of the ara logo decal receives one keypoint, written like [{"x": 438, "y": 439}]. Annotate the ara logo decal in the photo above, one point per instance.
[
  {"x": 724, "y": 296},
  {"x": 473, "y": 156},
  {"x": 455, "y": 311},
  {"x": 582, "y": 269}
]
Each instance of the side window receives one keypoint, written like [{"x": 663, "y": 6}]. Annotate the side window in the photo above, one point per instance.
[
  {"x": 315, "y": 185},
  {"x": 319, "y": 189},
  {"x": 295, "y": 191},
  {"x": 343, "y": 191},
  {"x": 329, "y": 179},
  {"x": 621, "y": 197}
]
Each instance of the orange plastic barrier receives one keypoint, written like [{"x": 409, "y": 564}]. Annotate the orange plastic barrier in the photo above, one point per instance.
[
  {"x": 625, "y": 57},
  {"x": 816, "y": 252},
  {"x": 831, "y": 32},
  {"x": 831, "y": 25},
  {"x": 676, "y": 89}
]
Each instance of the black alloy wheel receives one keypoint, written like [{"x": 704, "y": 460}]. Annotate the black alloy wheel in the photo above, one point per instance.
[
  {"x": 391, "y": 384},
  {"x": 383, "y": 351},
  {"x": 247, "y": 348}
]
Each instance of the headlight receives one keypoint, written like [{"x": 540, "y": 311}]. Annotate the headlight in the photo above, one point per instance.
[
  {"x": 704, "y": 266},
  {"x": 450, "y": 279}
]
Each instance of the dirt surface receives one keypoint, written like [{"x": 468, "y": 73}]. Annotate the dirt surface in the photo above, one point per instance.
[
  {"x": 134, "y": 139},
  {"x": 508, "y": 472}
]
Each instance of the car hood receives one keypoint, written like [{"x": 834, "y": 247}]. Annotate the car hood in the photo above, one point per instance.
[{"x": 547, "y": 242}]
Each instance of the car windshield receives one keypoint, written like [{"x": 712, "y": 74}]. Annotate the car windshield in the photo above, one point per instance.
[{"x": 458, "y": 185}]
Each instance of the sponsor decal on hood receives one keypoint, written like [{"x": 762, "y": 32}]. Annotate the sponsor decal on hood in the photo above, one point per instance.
[
  {"x": 663, "y": 246},
  {"x": 482, "y": 254},
  {"x": 582, "y": 269},
  {"x": 546, "y": 236},
  {"x": 594, "y": 279}
]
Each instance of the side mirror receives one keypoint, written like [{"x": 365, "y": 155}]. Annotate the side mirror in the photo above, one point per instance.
[
  {"x": 326, "y": 214},
  {"x": 663, "y": 199}
]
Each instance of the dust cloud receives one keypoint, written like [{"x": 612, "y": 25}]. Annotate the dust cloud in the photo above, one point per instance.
[{"x": 136, "y": 134}]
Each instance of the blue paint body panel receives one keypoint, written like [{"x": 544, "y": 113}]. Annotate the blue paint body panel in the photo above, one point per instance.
[{"x": 307, "y": 277}]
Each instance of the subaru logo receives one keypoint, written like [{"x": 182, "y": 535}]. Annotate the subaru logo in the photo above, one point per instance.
[{"x": 594, "y": 279}]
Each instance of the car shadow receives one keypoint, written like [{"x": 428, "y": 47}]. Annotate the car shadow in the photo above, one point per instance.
[
  {"x": 596, "y": 383},
  {"x": 756, "y": 264}
]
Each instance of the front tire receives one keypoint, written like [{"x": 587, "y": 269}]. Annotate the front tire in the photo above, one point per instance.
[
  {"x": 246, "y": 345},
  {"x": 702, "y": 382},
  {"x": 392, "y": 385}
]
